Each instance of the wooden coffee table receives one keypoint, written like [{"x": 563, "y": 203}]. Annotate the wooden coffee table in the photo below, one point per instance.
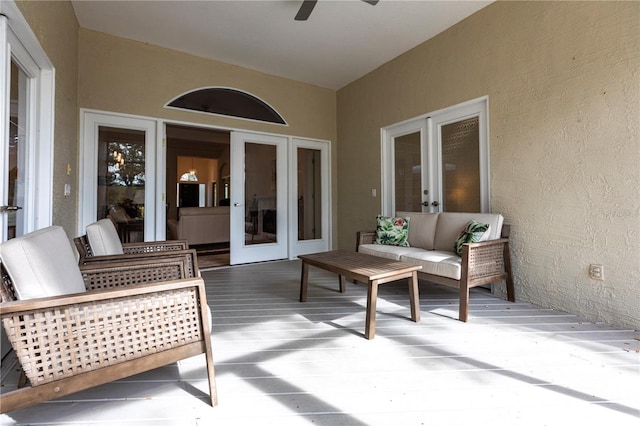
[{"x": 364, "y": 268}]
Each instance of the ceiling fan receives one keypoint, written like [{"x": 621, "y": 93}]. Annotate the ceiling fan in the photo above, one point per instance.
[{"x": 308, "y": 5}]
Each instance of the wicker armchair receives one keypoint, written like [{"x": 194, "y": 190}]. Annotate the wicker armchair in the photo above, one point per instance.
[
  {"x": 102, "y": 239},
  {"x": 95, "y": 324}
]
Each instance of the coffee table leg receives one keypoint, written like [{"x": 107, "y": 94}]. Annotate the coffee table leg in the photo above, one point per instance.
[
  {"x": 414, "y": 297},
  {"x": 304, "y": 279},
  {"x": 343, "y": 286},
  {"x": 372, "y": 299}
]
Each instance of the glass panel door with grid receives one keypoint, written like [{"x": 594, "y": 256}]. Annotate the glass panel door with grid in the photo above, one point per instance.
[
  {"x": 438, "y": 162},
  {"x": 460, "y": 135}
]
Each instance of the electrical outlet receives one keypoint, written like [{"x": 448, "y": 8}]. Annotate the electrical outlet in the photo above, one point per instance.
[{"x": 596, "y": 272}]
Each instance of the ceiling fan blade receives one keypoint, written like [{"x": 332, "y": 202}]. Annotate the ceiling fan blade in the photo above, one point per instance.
[
  {"x": 305, "y": 10},
  {"x": 371, "y": 2}
]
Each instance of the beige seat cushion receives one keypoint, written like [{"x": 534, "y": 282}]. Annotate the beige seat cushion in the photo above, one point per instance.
[
  {"x": 442, "y": 263},
  {"x": 103, "y": 238},
  {"x": 42, "y": 264},
  {"x": 388, "y": 252}
]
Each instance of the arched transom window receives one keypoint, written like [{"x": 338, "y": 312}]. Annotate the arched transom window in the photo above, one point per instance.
[{"x": 229, "y": 102}]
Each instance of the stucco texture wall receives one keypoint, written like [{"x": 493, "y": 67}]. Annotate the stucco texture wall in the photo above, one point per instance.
[
  {"x": 121, "y": 75},
  {"x": 56, "y": 27},
  {"x": 563, "y": 81}
]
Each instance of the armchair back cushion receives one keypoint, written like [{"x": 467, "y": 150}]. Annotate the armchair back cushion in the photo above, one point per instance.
[
  {"x": 42, "y": 264},
  {"x": 103, "y": 238}
]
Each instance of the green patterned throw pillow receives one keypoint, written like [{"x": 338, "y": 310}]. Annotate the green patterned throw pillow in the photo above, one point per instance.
[
  {"x": 392, "y": 231},
  {"x": 472, "y": 233}
]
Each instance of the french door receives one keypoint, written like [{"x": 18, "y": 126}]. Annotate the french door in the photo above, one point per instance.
[
  {"x": 309, "y": 230},
  {"x": 259, "y": 181},
  {"x": 118, "y": 174},
  {"x": 438, "y": 162}
]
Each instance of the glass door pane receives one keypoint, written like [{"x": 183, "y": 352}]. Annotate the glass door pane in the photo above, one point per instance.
[
  {"x": 309, "y": 191},
  {"x": 16, "y": 149},
  {"x": 461, "y": 166},
  {"x": 408, "y": 173},
  {"x": 121, "y": 180},
  {"x": 261, "y": 192}
]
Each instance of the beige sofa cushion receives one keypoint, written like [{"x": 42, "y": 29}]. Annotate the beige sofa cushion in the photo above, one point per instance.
[
  {"x": 42, "y": 264},
  {"x": 203, "y": 211},
  {"x": 451, "y": 224},
  {"x": 422, "y": 228},
  {"x": 103, "y": 238},
  {"x": 386, "y": 251},
  {"x": 201, "y": 225},
  {"x": 442, "y": 263}
]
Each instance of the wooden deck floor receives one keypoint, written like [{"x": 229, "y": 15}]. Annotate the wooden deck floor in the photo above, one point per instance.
[{"x": 282, "y": 362}]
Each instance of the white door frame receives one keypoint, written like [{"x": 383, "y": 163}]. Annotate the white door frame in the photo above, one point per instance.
[
  {"x": 429, "y": 125},
  {"x": 17, "y": 40},
  {"x": 298, "y": 247},
  {"x": 90, "y": 122}
]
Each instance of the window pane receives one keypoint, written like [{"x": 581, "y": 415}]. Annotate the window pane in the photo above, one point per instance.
[
  {"x": 460, "y": 166},
  {"x": 408, "y": 188},
  {"x": 260, "y": 192},
  {"x": 121, "y": 180},
  {"x": 309, "y": 190}
]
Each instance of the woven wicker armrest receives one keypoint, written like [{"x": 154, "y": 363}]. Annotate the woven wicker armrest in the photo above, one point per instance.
[
  {"x": 365, "y": 237},
  {"x": 153, "y": 246},
  {"x": 74, "y": 342},
  {"x": 158, "y": 256},
  {"x": 487, "y": 262},
  {"x": 485, "y": 258}
]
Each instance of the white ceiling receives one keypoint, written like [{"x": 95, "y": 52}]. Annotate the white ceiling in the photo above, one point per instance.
[{"x": 342, "y": 40}]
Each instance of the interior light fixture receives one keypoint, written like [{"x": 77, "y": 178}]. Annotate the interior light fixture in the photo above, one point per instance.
[{"x": 118, "y": 159}]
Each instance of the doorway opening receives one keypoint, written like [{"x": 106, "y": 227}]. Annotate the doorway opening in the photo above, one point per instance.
[{"x": 198, "y": 191}]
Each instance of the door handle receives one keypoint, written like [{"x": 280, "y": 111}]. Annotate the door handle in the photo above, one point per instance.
[
  {"x": 237, "y": 204},
  {"x": 9, "y": 208},
  {"x": 435, "y": 204},
  {"x": 425, "y": 203}
]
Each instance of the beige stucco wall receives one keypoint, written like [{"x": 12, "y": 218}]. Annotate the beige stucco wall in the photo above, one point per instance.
[
  {"x": 563, "y": 80},
  {"x": 56, "y": 27},
  {"x": 125, "y": 76}
]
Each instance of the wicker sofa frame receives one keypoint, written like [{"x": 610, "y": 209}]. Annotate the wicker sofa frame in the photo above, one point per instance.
[
  {"x": 135, "y": 316},
  {"x": 482, "y": 263}
]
